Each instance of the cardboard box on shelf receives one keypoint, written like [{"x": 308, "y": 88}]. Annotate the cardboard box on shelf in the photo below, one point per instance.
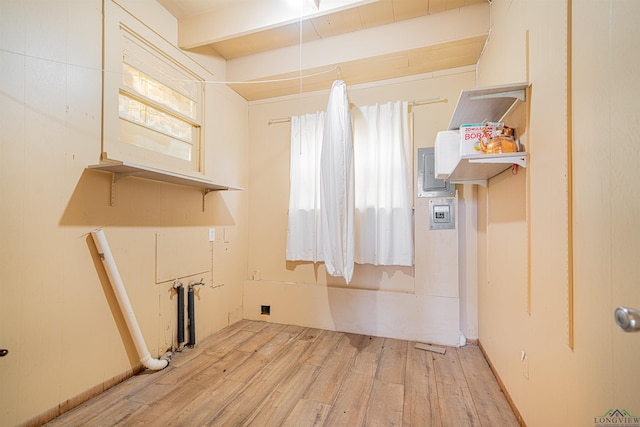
[{"x": 470, "y": 135}]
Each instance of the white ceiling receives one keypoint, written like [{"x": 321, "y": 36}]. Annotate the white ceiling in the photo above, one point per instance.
[{"x": 367, "y": 40}]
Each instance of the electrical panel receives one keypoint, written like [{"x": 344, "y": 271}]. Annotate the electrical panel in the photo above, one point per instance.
[{"x": 428, "y": 184}]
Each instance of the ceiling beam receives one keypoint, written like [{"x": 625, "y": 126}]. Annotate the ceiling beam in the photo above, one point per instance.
[
  {"x": 429, "y": 59},
  {"x": 429, "y": 30},
  {"x": 240, "y": 18}
]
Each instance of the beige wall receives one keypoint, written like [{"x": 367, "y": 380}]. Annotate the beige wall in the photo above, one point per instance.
[
  {"x": 523, "y": 221},
  {"x": 510, "y": 205},
  {"x": 59, "y": 319},
  {"x": 420, "y": 303},
  {"x": 58, "y": 316}
]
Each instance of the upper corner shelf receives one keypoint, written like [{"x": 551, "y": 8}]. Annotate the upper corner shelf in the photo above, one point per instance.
[
  {"x": 480, "y": 105},
  {"x": 122, "y": 169},
  {"x": 486, "y": 103}
]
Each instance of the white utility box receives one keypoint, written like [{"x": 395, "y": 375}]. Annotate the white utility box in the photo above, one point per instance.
[{"x": 447, "y": 153}]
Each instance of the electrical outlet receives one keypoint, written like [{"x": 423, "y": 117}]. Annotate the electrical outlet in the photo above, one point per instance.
[{"x": 212, "y": 234}]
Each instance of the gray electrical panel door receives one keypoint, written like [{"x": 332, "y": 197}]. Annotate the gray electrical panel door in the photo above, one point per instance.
[{"x": 428, "y": 185}]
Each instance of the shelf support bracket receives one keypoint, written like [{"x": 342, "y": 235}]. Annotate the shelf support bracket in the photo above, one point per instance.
[
  {"x": 112, "y": 195},
  {"x": 205, "y": 191},
  {"x": 482, "y": 182},
  {"x": 115, "y": 177}
]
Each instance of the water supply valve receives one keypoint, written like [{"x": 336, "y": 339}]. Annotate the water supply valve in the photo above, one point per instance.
[{"x": 199, "y": 283}]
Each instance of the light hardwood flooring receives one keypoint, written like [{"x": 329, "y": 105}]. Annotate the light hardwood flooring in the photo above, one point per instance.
[{"x": 266, "y": 374}]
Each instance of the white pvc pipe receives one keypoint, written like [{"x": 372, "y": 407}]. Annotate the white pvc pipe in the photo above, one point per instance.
[{"x": 123, "y": 300}]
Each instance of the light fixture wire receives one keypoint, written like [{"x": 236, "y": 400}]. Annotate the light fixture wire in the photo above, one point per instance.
[{"x": 300, "y": 72}]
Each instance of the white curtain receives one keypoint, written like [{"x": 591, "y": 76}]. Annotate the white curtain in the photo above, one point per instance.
[
  {"x": 337, "y": 186},
  {"x": 382, "y": 228},
  {"x": 384, "y": 205},
  {"x": 303, "y": 241}
]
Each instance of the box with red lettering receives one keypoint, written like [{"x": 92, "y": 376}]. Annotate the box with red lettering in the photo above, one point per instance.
[{"x": 470, "y": 135}]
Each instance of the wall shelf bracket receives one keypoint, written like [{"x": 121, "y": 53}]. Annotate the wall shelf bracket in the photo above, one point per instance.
[
  {"x": 115, "y": 177},
  {"x": 205, "y": 191}
]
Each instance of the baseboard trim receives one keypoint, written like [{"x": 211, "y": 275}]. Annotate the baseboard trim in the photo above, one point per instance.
[
  {"x": 78, "y": 400},
  {"x": 502, "y": 387}
]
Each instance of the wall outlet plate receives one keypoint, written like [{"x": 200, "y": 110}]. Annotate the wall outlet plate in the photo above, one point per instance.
[{"x": 442, "y": 214}]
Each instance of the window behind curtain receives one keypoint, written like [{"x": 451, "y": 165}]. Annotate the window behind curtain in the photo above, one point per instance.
[
  {"x": 383, "y": 185},
  {"x": 303, "y": 242},
  {"x": 383, "y": 196}
]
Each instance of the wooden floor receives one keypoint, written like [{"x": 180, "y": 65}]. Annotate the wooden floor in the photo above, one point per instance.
[{"x": 265, "y": 374}]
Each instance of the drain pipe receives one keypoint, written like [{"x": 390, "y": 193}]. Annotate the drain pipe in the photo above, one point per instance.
[
  {"x": 123, "y": 300},
  {"x": 180, "y": 290},
  {"x": 191, "y": 312}
]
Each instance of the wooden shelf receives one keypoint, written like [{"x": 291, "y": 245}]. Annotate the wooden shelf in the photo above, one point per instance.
[{"x": 120, "y": 169}]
